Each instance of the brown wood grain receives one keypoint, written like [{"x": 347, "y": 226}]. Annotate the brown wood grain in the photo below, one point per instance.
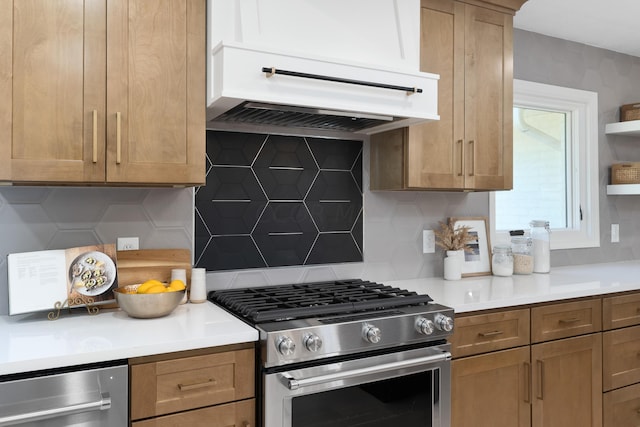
[
  {"x": 567, "y": 382},
  {"x": 491, "y": 390},
  {"x": 6, "y": 87},
  {"x": 58, "y": 60},
  {"x": 170, "y": 386},
  {"x": 620, "y": 311},
  {"x": 563, "y": 320},
  {"x": 144, "y": 264},
  {"x": 621, "y": 358},
  {"x": 489, "y": 332},
  {"x": 239, "y": 414},
  {"x": 620, "y": 407},
  {"x": 471, "y": 146},
  {"x": 156, "y": 81}
]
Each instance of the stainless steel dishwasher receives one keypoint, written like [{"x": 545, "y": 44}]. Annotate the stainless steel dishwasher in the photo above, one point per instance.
[{"x": 88, "y": 396}]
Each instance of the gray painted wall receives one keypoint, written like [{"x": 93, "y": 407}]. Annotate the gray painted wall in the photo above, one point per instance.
[
  {"x": 616, "y": 79},
  {"x": 50, "y": 218}
]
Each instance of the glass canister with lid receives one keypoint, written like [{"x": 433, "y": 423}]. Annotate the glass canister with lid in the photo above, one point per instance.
[
  {"x": 540, "y": 244},
  {"x": 502, "y": 261},
  {"x": 521, "y": 248}
]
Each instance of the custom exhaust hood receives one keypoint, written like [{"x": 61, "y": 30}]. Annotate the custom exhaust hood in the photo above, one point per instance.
[{"x": 331, "y": 65}]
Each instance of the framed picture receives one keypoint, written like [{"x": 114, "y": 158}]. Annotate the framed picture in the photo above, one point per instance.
[{"x": 478, "y": 261}]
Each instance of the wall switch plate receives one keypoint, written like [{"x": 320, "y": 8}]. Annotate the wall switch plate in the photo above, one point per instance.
[
  {"x": 128, "y": 243},
  {"x": 615, "y": 233},
  {"x": 428, "y": 242}
]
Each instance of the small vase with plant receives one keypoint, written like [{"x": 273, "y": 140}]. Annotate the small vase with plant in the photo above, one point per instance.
[{"x": 454, "y": 241}]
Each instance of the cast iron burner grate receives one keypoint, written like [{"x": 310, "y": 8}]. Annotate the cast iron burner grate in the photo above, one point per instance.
[{"x": 286, "y": 302}]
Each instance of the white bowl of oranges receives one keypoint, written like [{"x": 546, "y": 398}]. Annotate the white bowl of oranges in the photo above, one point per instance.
[{"x": 150, "y": 299}]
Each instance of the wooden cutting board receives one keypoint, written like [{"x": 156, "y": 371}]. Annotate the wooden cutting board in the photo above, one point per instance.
[{"x": 144, "y": 264}]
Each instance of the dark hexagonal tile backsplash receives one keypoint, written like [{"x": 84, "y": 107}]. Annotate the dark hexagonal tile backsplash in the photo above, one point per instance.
[{"x": 273, "y": 201}]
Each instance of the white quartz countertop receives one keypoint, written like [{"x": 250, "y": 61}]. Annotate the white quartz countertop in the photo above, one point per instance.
[
  {"x": 492, "y": 292},
  {"x": 32, "y": 342}
]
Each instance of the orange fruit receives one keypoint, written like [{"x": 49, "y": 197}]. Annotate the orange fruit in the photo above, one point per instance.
[
  {"x": 177, "y": 285},
  {"x": 156, "y": 289}
]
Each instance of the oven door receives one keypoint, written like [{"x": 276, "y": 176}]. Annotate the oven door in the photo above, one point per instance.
[{"x": 410, "y": 388}]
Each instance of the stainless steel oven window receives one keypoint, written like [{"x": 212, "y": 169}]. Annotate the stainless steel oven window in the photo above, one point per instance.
[{"x": 409, "y": 388}]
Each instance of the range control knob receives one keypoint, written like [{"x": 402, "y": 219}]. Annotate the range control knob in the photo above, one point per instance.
[
  {"x": 372, "y": 334},
  {"x": 312, "y": 342},
  {"x": 286, "y": 346},
  {"x": 444, "y": 323},
  {"x": 425, "y": 326}
]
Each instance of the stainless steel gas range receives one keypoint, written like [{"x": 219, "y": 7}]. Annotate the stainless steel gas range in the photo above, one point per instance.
[{"x": 347, "y": 353}]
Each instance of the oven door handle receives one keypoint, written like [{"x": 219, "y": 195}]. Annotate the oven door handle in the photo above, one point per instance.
[
  {"x": 104, "y": 403},
  {"x": 294, "y": 384}
]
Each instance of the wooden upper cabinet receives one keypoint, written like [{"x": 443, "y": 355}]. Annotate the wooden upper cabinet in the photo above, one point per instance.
[
  {"x": 470, "y": 147},
  {"x": 156, "y": 91},
  {"x": 52, "y": 79},
  {"x": 67, "y": 68}
]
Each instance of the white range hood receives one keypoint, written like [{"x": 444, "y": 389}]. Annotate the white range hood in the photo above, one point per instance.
[{"x": 328, "y": 65}]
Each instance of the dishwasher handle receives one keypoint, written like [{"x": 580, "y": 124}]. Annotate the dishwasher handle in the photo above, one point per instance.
[
  {"x": 293, "y": 384},
  {"x": 46, "y": 414}
]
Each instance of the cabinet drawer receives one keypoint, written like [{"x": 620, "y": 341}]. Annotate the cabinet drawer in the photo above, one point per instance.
[
  {"x": 622, "y": 407},
  {"x": 239, "y": 414},
  {"x": 621, "y": 356},
  {"x": 489, "y": 332},
  {"x": 621, "y": 311},
  {"x": 564, "y": 320},
  {"x": 167, "y": 386}
]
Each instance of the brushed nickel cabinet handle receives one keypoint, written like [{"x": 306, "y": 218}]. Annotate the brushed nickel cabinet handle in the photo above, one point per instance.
[
  {"x": 527, "y": 382},
  {"x": 540, "y": 379},
  {"x": 95, "y": 136},
  {"x": 472, "y": 144},
  {"x": 490, "y": 333},
  {"x": 118, "y": 137},
  {"x": 193, "y": 386},
  {"x": 570, "y": 320},
  {"x": 461, "y": 158}
]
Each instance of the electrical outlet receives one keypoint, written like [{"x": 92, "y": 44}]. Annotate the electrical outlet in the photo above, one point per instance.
[
  {"x": 428, "y": 242},
  {"x": 615, "y": 233},
  {"x": 128, "y": 243}
]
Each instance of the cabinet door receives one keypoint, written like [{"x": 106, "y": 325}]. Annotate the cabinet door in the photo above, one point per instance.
[
  {"x": 492, "y": 390},
  {"x": 238, "y": 414},
  {"x": 435, "y": 149},
  {"x": 621, "y": 407},
  {"x": 488, "y": 100},
  {"x": 52, "y": 90},
  {"x": 567, "y": 382},
  {"x": 156, "y": 91},
  {"x": 621, "y": 357}
]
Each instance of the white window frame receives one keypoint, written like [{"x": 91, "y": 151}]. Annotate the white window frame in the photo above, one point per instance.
[{"x": 584, "y": 191}]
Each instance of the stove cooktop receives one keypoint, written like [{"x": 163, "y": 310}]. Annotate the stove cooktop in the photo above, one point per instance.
[
  {"x": 311, "y": 321},
  {"x": 298, "y": 301}
]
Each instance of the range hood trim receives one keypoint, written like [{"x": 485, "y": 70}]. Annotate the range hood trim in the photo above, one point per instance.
[{"x": 235, "y": 75}]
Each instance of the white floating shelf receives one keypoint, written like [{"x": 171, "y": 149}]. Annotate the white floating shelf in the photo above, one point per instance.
[
  {"x": 629, "y": 128},
  {"x": 623, "y": 189}
]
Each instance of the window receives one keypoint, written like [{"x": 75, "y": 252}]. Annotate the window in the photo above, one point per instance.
[{"x": 555, "y": 166}]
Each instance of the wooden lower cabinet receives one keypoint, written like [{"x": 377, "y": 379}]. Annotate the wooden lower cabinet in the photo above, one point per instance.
[
  {"x": 491, "y": 390},
  {"x": 208, "y": 387},
  {"x": 621, "y": 408},
  {"x": 238, "y": 414},
  {"x": 567, "y": 382}
]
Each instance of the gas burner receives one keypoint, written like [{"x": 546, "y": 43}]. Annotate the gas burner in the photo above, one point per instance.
[{"x": 288, "y": 302}]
